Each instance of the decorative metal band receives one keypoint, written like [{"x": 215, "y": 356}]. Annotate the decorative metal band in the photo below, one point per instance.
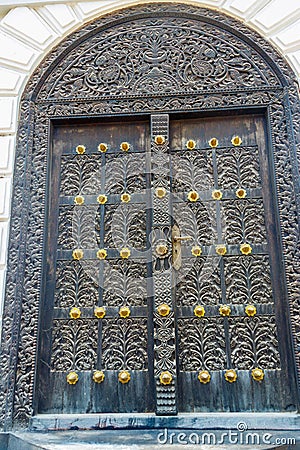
[{"x": 164, "y": 326}]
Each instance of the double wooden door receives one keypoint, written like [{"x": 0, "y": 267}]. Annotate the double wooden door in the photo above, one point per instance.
[{"x": 163, "y": 287}]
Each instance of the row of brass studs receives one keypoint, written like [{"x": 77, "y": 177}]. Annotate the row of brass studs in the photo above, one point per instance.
[
  {"x": 99, "y": 376},
  {"x": 163, "y": 310},
  {"x": 192, "y": 196},
  {"x": 101, "y": 253},
  {"x": 102, "y": 199},
  {"x": 162, "y": 250},
  {"x": 102, "y": 147},
  {"x": 160, "y": 140},
  {"x": 99, "y": 312},
  {"x": 166, "y": 378}
]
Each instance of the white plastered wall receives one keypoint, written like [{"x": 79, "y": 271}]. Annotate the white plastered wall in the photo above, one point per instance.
[{"x": 29, "y": 29}]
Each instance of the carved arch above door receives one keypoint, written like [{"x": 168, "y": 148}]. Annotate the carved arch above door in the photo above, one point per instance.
[{"x": 147, "y": 59}]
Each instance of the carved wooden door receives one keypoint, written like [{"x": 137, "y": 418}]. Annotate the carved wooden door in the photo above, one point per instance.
[{"x": 163, "y": 274}]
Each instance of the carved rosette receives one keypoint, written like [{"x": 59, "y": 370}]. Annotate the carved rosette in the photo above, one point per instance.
[{"x": 164, "y": 326}]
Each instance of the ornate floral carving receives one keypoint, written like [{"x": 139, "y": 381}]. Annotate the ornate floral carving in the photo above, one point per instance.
[
  {"x": 201, "y": 344},
  {"x": 124, "y": 344},
  {"x": 253, "y": 342},
  {"x": 74, "y": 345}
]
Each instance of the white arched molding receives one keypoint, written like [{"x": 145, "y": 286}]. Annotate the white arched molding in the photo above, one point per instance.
[{"x": 30, "y": 31}]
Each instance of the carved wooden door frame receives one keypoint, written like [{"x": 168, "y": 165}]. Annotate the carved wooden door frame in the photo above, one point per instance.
[{"x": 208, "y": 63}]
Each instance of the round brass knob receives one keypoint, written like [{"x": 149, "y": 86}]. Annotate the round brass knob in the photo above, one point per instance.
[
  {"x": 257, "y": 374},
  {"x": 125, "y": 146},
  {"x": 124, "y": 312},
  {"x": 216, "y": 194},
  {"x": 98, "y": 376},
  {"x": 240, "y": 193},
  {"x": 99, "y": 312},
  {"x": 75, "y": 313},
  {"x": 225, "y": 310},
  {"x": 101, "y": 253},
  {"x": 124, "y": 376},
  {"x": 236, "y": 140},
  {"x": 72, "y": 378},
  {"x": 161, "y": 249},
  {"x": 245, "y": 249},
  {"x": 102, "y": 147},
  {"x": 204, "y": 376},
  {"x": 125, "y": 198},
  {"x": 159, "y": 140},
  {"x": 196, "y": 251},
  {"x": 79, "y": 200},
  {"x": 125, "y": 253},
  {"x": 213, "y": 142},
  {"x": 191, "y": 144},
  {"x": 77, "y": 254},
  {"x": 165, "y": 378},
  {"x": 250, "y": 310},
  {"x": 230, "y": 376},
  {"x": 80, "y": 149},
  {"x": 199, "y": 311},
  {"x": 164, "y": 310},
  {"x": 193, "y": 196},
  {"x": 221, "y": 249},
  {"x": 160, "y": 192},
  {"x": 102, "y": 199}
]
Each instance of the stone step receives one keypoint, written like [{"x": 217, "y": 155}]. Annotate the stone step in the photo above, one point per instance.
[{"x": 145, "y": 440}]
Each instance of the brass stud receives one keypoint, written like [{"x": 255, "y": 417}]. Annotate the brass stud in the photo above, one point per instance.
[
  {"x": 213, "y": 142},
  {"x": 75, "y": 313},
  {"x": 80, "y": 149},
  {"x": 99, "y": 312},
  {"x": 159, "y": 140},
  {"x": 125, "y": 253},
  {"x": 77, "y": 254},
  {"x": 204, "y": 377},
  {"x": 240, "y": 193},
  {"x": 72, "y": 378},
  {"x": 236, "y": 141},
  {"x": 163, "y": 310},
  {"x": 230, "y": 376},
  {"x": 165, "y": 378},
  {"x": 225, "y": 310},
  {"x": 216, "y": 194},
  {"x": 191, "y": 144},
  {"x": 124, "y": 377},
  {"x": 196, "y": 251},
  {"x": 79, "y": 200},
  {"x": 246, "y": 249},
  {"x": 160, "y": 192},
  {"x": 221, "y": 249},
  {"x": 101, "y": 253},
  {"x": 193, "y": 196},
  {"x": 250, "y": 310},
  {"x": 257, "y": 374},
  {"x": 125, "y": 198},
  {"x": 199, "y": 311},
  {"x": 125, "y": 146},
  {"x": 102, "y": 199},
  {"x": 98, "y": 376},
  {"x": 102, "y": 147},
  {"x": 161, "y": 249},
  {"x": 124, "y": 312}
]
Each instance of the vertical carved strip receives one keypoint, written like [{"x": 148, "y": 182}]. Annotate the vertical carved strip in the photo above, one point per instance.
[{"x": 164, "y": 327}]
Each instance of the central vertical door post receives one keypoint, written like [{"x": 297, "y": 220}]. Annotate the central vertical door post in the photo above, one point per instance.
[{"x": 164, "y": 308}]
